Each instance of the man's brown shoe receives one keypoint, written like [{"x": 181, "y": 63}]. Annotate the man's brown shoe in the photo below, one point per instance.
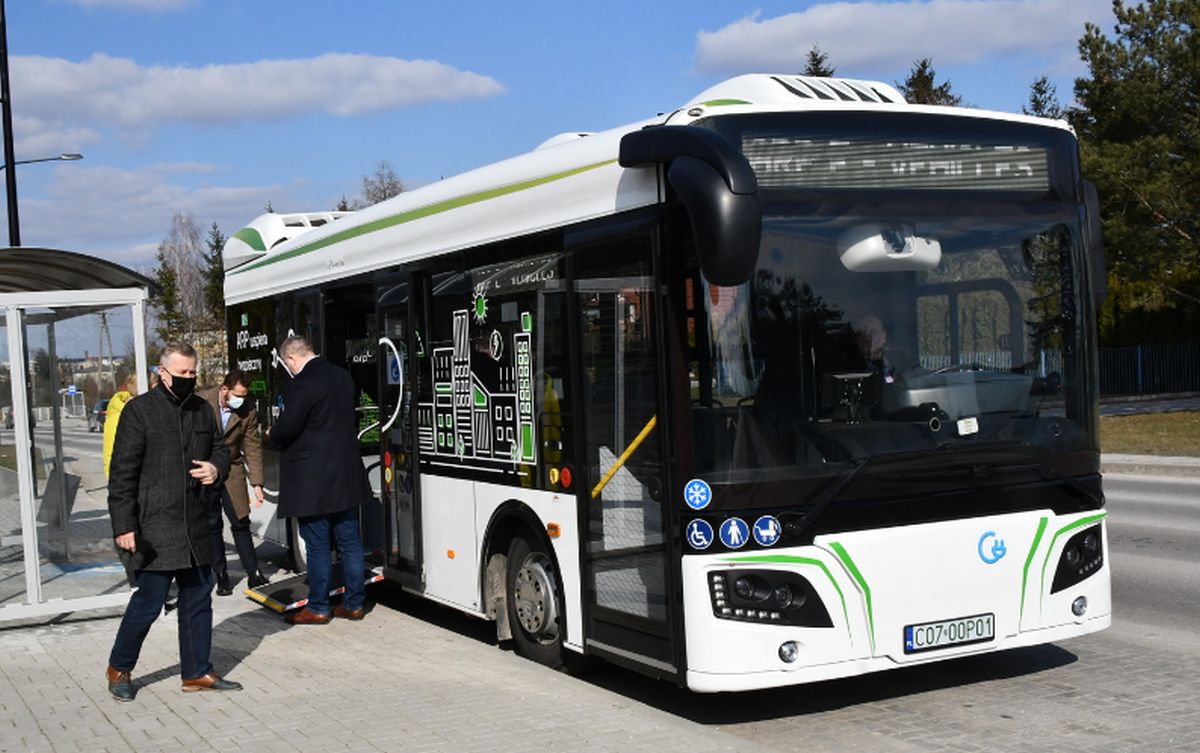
[
  {"x": 349, "y": 614},
  {"x": 307, "y": 617},
  {"x": 209, "y": 682},
  {"x": 119, "y": 684}
]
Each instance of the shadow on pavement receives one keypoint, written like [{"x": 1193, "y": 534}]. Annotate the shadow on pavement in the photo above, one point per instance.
[
  {"x": 732, "y": 708},
  {"x": 389, "y": 596},
  {"x": 800, "y": 700}
]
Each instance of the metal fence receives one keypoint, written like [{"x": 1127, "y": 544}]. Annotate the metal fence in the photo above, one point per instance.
[
  {"x": 1150, "y": 369},
  {"x": 1140, "y": 370}
]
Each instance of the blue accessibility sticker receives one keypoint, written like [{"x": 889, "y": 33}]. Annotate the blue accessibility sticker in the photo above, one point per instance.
[
  {"x": 699, "y": 534},
  {"x": 767, "y": 530},
  {"x": 697, "y": 494},
  {"x": 734, "y": 533}
]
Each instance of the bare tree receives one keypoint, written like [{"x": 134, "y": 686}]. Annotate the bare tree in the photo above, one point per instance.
[{"x": 384, "y": 183}]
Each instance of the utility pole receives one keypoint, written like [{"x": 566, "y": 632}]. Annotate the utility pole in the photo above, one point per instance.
[
  {"x": 10, "y": 177},
  {"x": 104, "y": 335}
]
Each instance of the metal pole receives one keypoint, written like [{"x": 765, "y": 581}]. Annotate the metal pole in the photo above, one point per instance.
[
  {"x": 64, "y": 513},
  {"x": 10, "y": 175}
]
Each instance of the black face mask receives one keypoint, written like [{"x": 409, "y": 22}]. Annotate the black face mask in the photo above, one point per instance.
[{"x": 180, "y": 387}]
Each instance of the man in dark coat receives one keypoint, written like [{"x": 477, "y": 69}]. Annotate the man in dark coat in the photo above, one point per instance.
[
  {"x": 168, "y": 446},
  {"x": 322, "y": 481}
]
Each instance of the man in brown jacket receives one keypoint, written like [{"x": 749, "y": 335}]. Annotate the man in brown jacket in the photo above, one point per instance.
[{"x": 239, "y": 426}]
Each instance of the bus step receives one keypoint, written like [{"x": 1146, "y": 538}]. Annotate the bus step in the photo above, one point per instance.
[{"x": 292, "y": 593}]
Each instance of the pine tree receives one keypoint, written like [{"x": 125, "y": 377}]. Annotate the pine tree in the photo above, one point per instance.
[
  {"x": 1139, "y": 128},
  {"x": 919, "y": 88},
  {"x": 1043, "y": 100},
  {"x": 165, "y": 301},
  {"x": 214, "y": 276},
  {"x": 818, "y": 64}
]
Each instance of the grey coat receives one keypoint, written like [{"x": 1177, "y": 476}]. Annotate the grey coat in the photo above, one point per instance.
[{"x": 149, "y": 489}]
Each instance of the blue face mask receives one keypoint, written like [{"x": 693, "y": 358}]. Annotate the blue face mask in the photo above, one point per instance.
[{"x": 234, "y": 402}]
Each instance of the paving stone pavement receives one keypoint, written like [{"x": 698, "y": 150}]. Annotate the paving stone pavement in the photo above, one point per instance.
[{"x": 389, "y": 683}]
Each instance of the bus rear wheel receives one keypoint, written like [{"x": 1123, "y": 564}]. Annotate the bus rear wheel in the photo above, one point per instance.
[{"x": 534, "y": 602}]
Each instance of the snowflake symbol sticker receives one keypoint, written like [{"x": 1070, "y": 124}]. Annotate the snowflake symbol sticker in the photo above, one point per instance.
[{"x": 697, "y": 494}]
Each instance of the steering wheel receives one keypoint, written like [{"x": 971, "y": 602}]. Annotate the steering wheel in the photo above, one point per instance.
[{"x": 957, "y": 367}]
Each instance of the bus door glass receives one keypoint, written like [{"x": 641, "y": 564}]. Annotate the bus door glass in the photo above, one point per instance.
[
  {"x": 397, "y": 377},
  {"x": 351, "y": 339},
  {"x": 625, "y": 547}
]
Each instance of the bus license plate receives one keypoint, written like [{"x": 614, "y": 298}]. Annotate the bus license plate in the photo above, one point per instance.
[{"x": 957, "y": 632}]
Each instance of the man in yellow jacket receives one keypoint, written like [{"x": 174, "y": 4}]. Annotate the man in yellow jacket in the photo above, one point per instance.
[{"x": 113, "y": 414}]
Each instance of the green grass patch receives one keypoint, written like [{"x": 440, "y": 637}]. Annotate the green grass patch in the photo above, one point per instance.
[{"x": 1152, "y": 433}]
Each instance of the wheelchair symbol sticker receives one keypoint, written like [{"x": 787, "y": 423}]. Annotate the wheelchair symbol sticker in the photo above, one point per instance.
[
  {"x": 699, "y": 534},
  {"x": 697, "y": 494},
  {"x": 734, "y": 533},
  {"x": 767, "y": 530}
]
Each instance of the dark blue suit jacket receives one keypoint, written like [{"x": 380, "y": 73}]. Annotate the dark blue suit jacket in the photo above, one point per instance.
[{"x": 321, "y": 470}]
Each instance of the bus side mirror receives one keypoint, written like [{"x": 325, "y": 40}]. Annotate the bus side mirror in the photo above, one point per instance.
[
  {"x": 1094, "y": 238},
  {"x": 726, "y": 227},
  {"x": 718, "y": 188}
]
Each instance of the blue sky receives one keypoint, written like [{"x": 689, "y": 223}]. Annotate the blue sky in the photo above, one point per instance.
[{"x": 217, "y": 107}]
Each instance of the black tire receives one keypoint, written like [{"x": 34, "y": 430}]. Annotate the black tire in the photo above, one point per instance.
[{"x": 533, "y": 597}]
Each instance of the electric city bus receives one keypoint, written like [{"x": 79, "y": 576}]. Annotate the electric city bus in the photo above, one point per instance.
[{"x": 795, "y": 382}]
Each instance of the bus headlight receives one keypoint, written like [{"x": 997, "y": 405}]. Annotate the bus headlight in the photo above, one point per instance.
[
  {"x": 1082, "y": 557},
  {"x": 767, "y": 596}
]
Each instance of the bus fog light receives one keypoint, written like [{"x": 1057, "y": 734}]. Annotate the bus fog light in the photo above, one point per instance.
[
  {"x": 789, "y": 651},
  {"x": 1078, "y": 607}
]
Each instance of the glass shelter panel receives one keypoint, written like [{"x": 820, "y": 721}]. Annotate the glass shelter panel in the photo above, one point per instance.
[
  {"x": 79, "y": 364},
  {"x": 12, "y": 557}
]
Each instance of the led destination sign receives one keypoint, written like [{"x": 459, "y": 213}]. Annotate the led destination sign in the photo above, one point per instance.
[{"x": 781, "y": 161}]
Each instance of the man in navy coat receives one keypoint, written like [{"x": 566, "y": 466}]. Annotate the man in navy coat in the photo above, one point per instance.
[{"x": 322, "y": 481}]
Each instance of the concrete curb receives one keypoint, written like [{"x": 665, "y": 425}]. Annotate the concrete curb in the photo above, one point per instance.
[{"x": 1158, "y": 465}]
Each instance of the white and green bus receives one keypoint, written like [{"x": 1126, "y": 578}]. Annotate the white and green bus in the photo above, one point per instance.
[{"x": 795, "y": 382}]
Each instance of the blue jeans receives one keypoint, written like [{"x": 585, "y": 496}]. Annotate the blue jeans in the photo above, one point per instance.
[
  {"x": 219, "y": 502},
  {"x": 315, "y": 531},
  {"x": 195, "y": 619}
]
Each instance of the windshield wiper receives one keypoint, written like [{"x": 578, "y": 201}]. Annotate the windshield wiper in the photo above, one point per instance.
[{"x": 828, "y": 497}]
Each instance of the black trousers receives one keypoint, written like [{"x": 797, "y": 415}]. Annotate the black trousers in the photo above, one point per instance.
[{"x": 239, "y": 527}]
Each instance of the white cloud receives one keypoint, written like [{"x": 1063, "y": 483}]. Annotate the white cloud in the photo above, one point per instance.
[
  {"x": 118, "y": 91},
  {"x": 888, "y": 36},
  {"x": 122, "y": 215}
]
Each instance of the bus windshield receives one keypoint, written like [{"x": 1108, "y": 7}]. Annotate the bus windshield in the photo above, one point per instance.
[{"x": 903, "y": 322}]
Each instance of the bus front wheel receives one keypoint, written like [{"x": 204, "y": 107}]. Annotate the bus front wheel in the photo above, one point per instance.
[{"x": 534, "y": 602}]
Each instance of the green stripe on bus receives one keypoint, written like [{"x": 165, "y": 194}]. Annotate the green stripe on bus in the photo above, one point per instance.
[
  {"x": 418, "y": 214},
  {"x": 251, "y": 238},
  {"x": 788, "y": 559},
  {"x": 723, "y": 102},
  {"x": 1069, "y": 527},
  {"x": 844, "y": 556},
  {"x": 1029, "y": 561}
]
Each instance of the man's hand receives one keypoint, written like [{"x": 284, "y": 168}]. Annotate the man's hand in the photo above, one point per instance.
[
  {"x": 127, "y": 541},
  {"x": 258, "y": 495},
  {"x": 204, "y": 471}
]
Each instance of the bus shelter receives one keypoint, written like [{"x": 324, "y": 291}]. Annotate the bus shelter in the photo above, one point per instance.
[{"x": 72, "y": 332}]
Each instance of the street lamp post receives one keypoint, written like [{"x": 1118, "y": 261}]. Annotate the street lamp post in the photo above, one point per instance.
[
  {"x": 10, "y": 177},
  {"x": 14, "y": 222}
]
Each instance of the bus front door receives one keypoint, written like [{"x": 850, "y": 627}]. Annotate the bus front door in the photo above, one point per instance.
[
  {"x": 626, "y": 577},
  {"x": 400, "y": 490}
]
